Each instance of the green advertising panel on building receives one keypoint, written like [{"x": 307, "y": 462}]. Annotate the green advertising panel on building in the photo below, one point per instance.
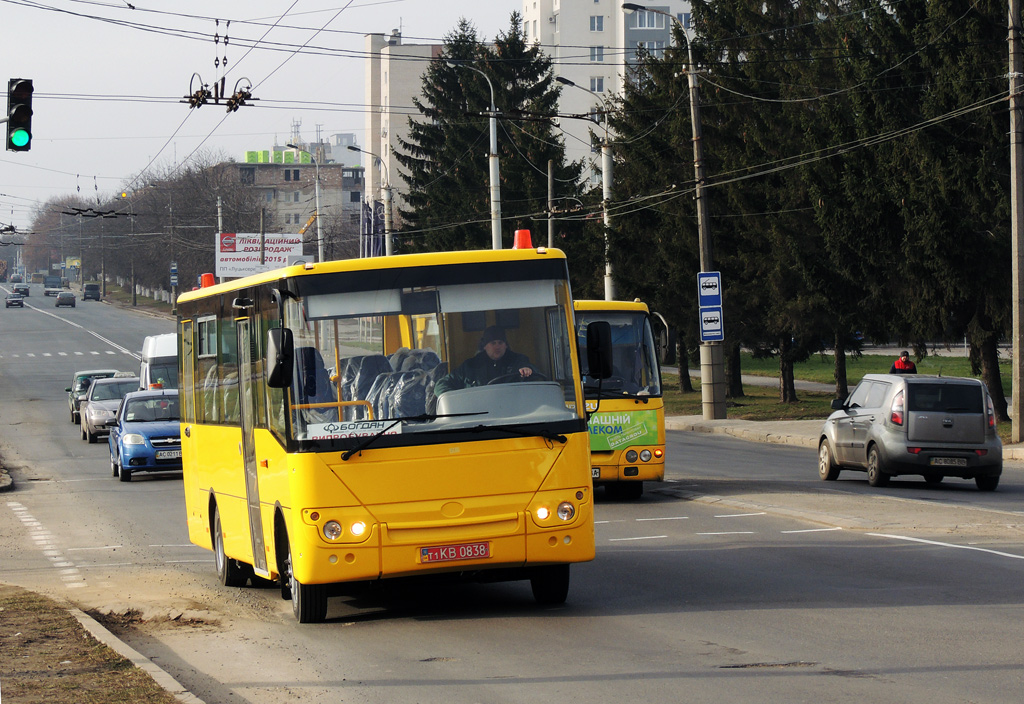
[{"x": 613, "y": 431}]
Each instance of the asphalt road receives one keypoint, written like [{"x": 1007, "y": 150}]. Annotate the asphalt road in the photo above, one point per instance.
[{"x": 742, "y": 578}]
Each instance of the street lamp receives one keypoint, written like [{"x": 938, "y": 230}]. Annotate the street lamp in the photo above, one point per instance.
[
  {"x": 316, "y": 205},
  {"x": 712, "y": 356},
  {"x": 606, "y": 187},
  {"x": 492, "y": 158},
  {"x": 131, "y": 242},
  {"x": 386, "y": 191}
]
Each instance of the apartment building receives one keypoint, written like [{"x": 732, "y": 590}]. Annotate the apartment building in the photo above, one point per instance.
[
  {"x": 394, "y": 76},
  {"x": 592, "y": 42},
  {"x": 286, "y": 181}
]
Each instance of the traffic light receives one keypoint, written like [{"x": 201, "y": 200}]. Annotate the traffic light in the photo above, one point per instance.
[{"x": 19, "y": 114}]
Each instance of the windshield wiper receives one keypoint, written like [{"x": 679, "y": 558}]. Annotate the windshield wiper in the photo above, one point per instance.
[
  {"x": 395, "y": 421},
  {"x": 522, "y": 432}
]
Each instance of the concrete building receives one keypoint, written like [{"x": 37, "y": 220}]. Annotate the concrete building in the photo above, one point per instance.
[
  {"x": 592, "y": 42},
  {"x": 394, "y": 76},
  {"x": 286, "y": 181}
]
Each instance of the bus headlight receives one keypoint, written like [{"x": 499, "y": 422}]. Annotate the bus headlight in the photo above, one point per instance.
[
  {"x": 566, "y": 511},
  {"x": 332, "y": 530},
  {"x": 645, "y": 455},
  {"x": 631, "y": 455},
  {"x": 358, "y": 528}
]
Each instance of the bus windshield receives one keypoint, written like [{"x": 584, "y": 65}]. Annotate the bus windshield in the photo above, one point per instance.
[
  {"x": 634, "y": 364},
  {"x": 418, "y": 359}
]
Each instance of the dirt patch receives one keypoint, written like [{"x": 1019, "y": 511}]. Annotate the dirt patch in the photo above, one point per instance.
[{"x": 46, "y": 657}]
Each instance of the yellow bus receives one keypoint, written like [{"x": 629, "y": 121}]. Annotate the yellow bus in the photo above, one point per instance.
[
  {"x": 316, "y": 450},
  {"x": 627, "y": 431}
]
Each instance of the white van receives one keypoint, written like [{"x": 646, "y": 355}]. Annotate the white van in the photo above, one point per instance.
[{"x": 159, "y": 362}]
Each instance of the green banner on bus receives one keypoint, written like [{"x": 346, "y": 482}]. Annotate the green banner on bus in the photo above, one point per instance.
[{"x": 613, "y": 431}]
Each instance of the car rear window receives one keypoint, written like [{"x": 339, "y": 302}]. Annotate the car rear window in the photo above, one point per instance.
[{"x": 947, "y": 398}]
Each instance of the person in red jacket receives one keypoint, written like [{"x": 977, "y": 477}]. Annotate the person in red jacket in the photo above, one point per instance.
[{"x": 903, "y": 365}]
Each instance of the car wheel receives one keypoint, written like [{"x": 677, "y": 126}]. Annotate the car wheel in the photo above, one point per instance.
[
  {"x": 72, "y": 417},
  {"x": 81, "y": 431},
  {"x": 125, "y": 474},
  {"x": 309, "y": 601},
  {"x": 229, "y": 572},
  {"x": 933, "y": 478},
  {"x": 987, "y": 483},
  {"x": 75, "y": 418},
  {"x": 876, "y": 477},
  {"x": 90, "y": 436},
  {"x": 828, "y": 470},
  {"x": 550, "y": 584},
  {"x": 113, "y": 466}
]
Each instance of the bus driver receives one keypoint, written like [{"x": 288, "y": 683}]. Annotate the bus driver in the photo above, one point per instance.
[{"x": 494, "y": 360}]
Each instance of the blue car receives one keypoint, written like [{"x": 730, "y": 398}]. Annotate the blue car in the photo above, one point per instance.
[{"x": 145, "y": 435}]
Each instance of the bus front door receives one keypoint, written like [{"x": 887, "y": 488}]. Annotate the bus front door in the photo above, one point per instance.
[{"x": 247, "y": 412}]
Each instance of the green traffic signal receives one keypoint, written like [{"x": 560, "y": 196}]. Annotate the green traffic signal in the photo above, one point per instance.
[
  {"x": 20, "y": 137},
  {"x": 19, "y": 114}
]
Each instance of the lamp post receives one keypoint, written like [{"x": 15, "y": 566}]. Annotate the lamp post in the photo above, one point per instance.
[
  {"x": 316, "y": 204},
  {"x": 607, "y": 164},
  {"x": 712, "y": 355},
  {"x": 386, "y": 197},
  {"x": 492, "y": 158},
  {"x": 131, "y": 242}
]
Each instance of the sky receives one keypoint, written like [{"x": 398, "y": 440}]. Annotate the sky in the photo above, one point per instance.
[{"x": 107, "y": 79}]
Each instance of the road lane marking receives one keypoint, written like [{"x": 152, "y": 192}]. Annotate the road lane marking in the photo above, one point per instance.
[
  {"x": 741, "y": 515},
  {"x": 642, "y": 537},
  {"x": 666, "y": 518},
  {"x": 947, "y": 545},
  {"x": 735, "y": 532},
  {"x": 101, "y": 547},
  {"x": 811, "y": 530},
  {"x": 68, "y": 570}
]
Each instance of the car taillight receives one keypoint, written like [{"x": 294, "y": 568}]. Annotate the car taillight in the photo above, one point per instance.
[
  {"x": 991, "y": 413},
  {"x": 896, "y": 411}
]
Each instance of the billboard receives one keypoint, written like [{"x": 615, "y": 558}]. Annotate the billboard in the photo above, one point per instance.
[{"x": 238, "y": 253}]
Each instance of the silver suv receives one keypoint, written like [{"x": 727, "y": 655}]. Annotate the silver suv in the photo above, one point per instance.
[{"x": 907, "y": 424}]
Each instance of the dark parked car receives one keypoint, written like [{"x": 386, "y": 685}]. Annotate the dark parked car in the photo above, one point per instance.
[
  {"x": 22, "y": 289},
  {"x": 65, "y": 298},
  {"x": 101, "y": 402},
  {"x": 91, "y": 291},
  {"x": 80, "y": 384},
  {"x": 14, "y": 300},
  {"x": 895, "y": 424},
  {"x": 145, "y": 436}
]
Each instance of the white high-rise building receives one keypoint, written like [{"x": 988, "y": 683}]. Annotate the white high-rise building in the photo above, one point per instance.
[
  {"x": 591, "y": 43},
  {"x": 394, "y": 76}
]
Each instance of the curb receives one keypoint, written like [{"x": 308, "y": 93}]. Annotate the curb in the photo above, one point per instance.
[
  {"x": 137, "y": 659},
  {"x": 802, "y": 433}
]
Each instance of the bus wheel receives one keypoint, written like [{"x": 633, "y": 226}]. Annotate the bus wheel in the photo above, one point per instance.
[
  {"x": 309, "y": 601},
  {"x": 550, "y": 584},
  {"x": 229, "y": 572}
]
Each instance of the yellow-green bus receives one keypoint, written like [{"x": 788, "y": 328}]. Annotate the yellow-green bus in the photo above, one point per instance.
[
  {"x": 627, "y": 425},
  {"x": 316, "y": 450}
]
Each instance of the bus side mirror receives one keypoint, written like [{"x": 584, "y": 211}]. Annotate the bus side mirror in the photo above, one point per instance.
[
  {"x": 280, "y": 356},
  {"x": 599, "y": 349}
]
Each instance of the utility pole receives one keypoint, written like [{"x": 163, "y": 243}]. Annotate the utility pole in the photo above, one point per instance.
[
  {"x": 551, "y": 203},
  {"x": 1016, "y": 220},
  {"x": 712, "y": 354},
  {"x": 492, "y": 159}
]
